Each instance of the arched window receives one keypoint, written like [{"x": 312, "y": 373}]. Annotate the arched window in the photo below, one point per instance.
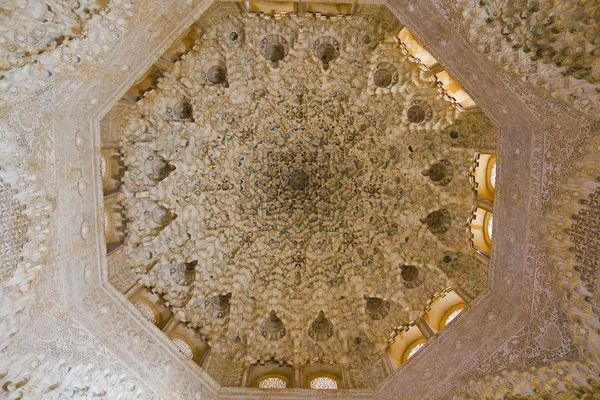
[
  {"x": 492, "y": 173},
  {"x": 452, "y": 313},
  {"x": 113, "y": 223},
  {"x": 183, "y": 347},
  {"x": 414, "y": 49},
  {"x": 456, "y": 94},
  {"x": 269, "y": 8},
  {"x": 271, "y": 375},
  {"x": 272, "y": 383},
  {"x": 417, "y": 53},
  {"x": 150, "y": 305},
  {"x": 323, "y": 376},
  {"x": 483, "y": 175},
  {"x": 323, "y": 382},
  {"x": 490, "y": 224},
  {"x": 107, "y": 225},
  {"x": 103, "y": 167},
  {"x": 404, "y": 345},
  {"x": 146, "y": 311},
  {"x": 480, "y": 229},
  {"x": 444, "y": 307},
  {"x": 111, "y": 170},
  {"x": 188, "y": 341},
  {"x": 413, "y": 348},
  {"x": 451, "y": 317}
]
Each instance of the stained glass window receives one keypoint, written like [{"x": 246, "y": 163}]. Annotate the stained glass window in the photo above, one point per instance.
[
  {"x": 453, "y": 315},
  {"x": 272, "y": 383},
  {"x": 146, "y": 312},
  {"x": 489, "y": 227},
  {"x": 323, "y": 383},
  {"x": 414, "y": 350},
  {"x": 183, "y": 347}
]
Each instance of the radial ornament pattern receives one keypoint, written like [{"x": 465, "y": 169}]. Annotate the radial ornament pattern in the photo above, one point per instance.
[{"x": 298, "y": 188}]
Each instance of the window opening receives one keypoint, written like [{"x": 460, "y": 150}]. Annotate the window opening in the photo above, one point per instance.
[
  {"x": 322, "y": 382},
  {"x": 272, "y": 383}
]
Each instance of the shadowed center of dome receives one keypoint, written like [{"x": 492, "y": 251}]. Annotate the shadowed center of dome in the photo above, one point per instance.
[
  {"x": 295, "y": 179},
  {"x": 298, "y": 180}
]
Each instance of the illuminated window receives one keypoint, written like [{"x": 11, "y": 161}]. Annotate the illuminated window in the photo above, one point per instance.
[
  {"x": 452, "y": 315},
  {"x": 146, "y": 311},
  {"x": 443, "y": 309},
  {"x": 480, "y": 228},
  {"x": 105, "y": 223},
  {"x": 414, "y": 349},
  {"x": 403, "y": 345},
  {"x": 415, "y": 49},
  {"x": 183, "y": 347},
  {"x": 490, "y": 225},
  {"x": 483, "y": 175},
  {"x": 102, "y": 166},
  {"x": 493, "y": 175},
  {"x": 454, "y": 90},
  {"x": 270, "y": 7},
  {"x": 323, "y": 383},
  {"x": 272, "y": 383},
  {"x": 330, "y": 9}
]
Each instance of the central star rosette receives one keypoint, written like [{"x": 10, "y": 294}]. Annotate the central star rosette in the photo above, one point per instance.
[
  {"x": 302, "y": 187},
  {"x": 298, "y": 180}
]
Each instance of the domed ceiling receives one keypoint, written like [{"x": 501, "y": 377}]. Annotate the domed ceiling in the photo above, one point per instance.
[
  {"x": 287, "y": 170},
  {"x": 198, "y": 299}
]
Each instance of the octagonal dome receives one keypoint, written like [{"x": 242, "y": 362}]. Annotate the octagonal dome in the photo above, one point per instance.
[
  {"x": 308, "y": 186},
  {"x": 229, "y": 200}
]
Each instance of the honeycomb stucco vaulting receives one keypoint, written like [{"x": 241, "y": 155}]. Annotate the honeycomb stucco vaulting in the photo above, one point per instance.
[
  {"x": 295, "y": 193},
  {"x": 486, "y": 308},
  {"x": 517, "y": 265}
]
